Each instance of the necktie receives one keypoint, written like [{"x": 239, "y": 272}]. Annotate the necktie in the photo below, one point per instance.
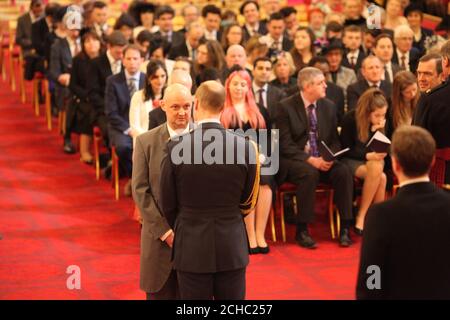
[
  {"x": 194, "y": 54},
  {"x": 314, "y": 150},
  {"x": 353, "y": 61},
  {"x": 387, "y": 77},
  {"x": 131, "y": 86},
  {"x": 402, "y": 63},
  {"x": 260, "y": 97}
]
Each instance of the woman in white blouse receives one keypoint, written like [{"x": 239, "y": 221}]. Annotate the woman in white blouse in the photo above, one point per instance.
[{"x": 143, "y": 101}]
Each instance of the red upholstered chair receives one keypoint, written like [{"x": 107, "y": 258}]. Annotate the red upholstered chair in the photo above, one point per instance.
[
  {"x": 115, "y": 172},
  {"x": 97, "y": 141},
  {"x": 437, "y": 172},
  {"x": 289, "y": 188}
]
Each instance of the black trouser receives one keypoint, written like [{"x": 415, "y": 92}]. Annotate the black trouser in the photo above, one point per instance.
[
  {"x": 306, "y": 177},
  {"x": 169, "y": 291},
  {"x": 226, "y": 285}
]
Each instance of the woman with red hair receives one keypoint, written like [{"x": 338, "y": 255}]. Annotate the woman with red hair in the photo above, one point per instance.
[{"x": 242, "y": 112}]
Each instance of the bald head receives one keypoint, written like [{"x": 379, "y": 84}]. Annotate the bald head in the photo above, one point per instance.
[
  {"x": 236, "y": 55},
  {"x": 210, "y": 98},
  {"x": 182, "y": 77},
  {"x": 177, "y": 102}
]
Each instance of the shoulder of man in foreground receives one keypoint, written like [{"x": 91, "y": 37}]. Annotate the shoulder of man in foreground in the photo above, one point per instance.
[{"x": 438, "y": 89}]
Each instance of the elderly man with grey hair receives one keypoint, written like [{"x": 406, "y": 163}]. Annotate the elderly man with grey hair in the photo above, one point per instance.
[
  {"x": 305, "y": 120},
  {"x": 158, "y": 279},
  {"x": 157, "y": 116},
  {"x": 405, "y": 55}
]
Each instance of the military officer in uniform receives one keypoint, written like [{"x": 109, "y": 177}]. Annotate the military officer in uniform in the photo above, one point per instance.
[
  {"x": 433, "y": 110},
  {"x": 204, "y": 201}
]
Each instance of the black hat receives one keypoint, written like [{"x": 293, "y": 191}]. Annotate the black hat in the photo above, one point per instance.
[
  {"x": 333, "y": 45},
  {"x": 413, "y": 7}
]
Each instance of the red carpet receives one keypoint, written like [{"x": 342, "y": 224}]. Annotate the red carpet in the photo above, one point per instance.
[{"x": 53, "y": 214}]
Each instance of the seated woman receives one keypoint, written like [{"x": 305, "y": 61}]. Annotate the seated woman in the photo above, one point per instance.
[
  {"x": 242, "y": 112},
  {"x": 143, "y": 100},
  {"x": 80, "y": 113},
  {"x": 232, "y": 35},
  {"x": 303, "y": 50},
  {"x": 284, "y": 71},
  {"x": 358, "y": 126},
  {"x": 404, "y": 100},
  {"x": 209, "y": 56}
]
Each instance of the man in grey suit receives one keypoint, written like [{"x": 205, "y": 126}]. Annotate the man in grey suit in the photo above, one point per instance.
[{"x": 158, "y": 279}]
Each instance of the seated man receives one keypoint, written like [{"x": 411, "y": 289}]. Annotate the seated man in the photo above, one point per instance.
[
  {"x": 305, "y": 119},
  {"x": 404, "y": 254},
  {"x": 119, "y": 90},
  {"x": 372, "y": 71}
]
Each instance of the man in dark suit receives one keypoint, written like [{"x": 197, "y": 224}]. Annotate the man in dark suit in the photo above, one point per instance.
[
  {"x": 304, "y": 120},
  {"x": 164, "y": 20},
  {"x": 105, "y": 65},
  {"x": 204, "y": 202},
  {"x": 353, "y": 55},
  {"x": 157, "y": 116},
  {"x": 236, "y": 55},
  {"x": 188, "y": 48},
  {"x": 276, "y": 39},
  {"x": 384, "y": 49},
  {"x": 62, "y": 52},
  {"x": 39, "y": 34},
  {"x": 158, "y": 279},
  {"x": 23, "y": 35},
  {"x": 266, "y": 95},
  {"x": 119, "y": 90},
  {"x": 99, "y": 17},
  {"x": 404, "y": 254},
  {"x": 212, "y": 17},
  {"x": 433, "y": 111},
  {"x": 372, "y": 71},
  {"x": 252, "y": 25},
  {"x": 405, "y": 55}
]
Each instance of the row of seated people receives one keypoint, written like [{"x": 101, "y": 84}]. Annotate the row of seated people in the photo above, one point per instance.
[{"x": 103, "y": 84}]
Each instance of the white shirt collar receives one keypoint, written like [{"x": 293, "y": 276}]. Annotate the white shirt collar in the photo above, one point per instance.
[
  {"x": 111, "y": 60},
  {"x": 378, "y": 84},
  {"x": 415, "y": 180},
  {"x": 215, "y": 120},
  {"x": 353, "y": 54},
  {"x": 256, "y": 87},
  {"x": 251, "y": 29},
  {"x": 400, "y": 54},
  {"x": 135, "y": 77},
  {"x": 178, "y": 132}
]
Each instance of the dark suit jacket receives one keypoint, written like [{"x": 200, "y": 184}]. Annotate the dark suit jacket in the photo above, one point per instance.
[
  {"x": 414, "y": 56},
  {"x": 203, "y": 204},
  {"x": 156, "y": 118},
  {"x": 336, "y": 94},
  {"x": 262, "y": 30},
  {"x": 433, "y": 113},
  {"x": 100, "y": 70},
  {"x": 359, "y": 60},
  {"x": 39, "y": 32},
  {"x": 23, "y": 32},
  {"x": 355, "y": 90},
  {"x": 117, "y": 103},
  {"x": 180, "y": 50},
  {"x": 60, "y": 63},
  {"x": 177, "y": 38},
  {"x": 156, "y": 262},
  {"x": 274, "y": 96},
  {"x": 408, "y": 238},
  {"x": 293, "y": 124}
]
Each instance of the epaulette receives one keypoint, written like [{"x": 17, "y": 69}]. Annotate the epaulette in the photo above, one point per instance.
[{"x": 437, "y": 88}]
